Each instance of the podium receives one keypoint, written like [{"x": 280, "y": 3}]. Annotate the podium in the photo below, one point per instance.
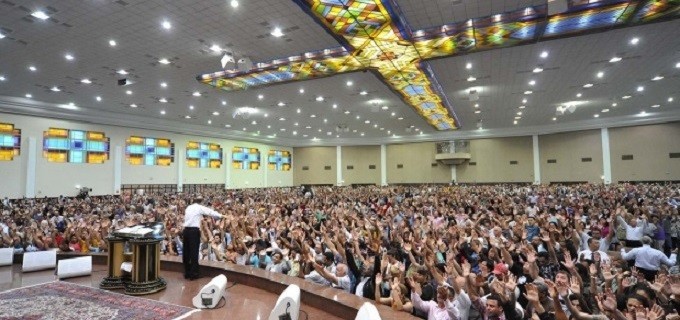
[{"x": 144, "y": 241}]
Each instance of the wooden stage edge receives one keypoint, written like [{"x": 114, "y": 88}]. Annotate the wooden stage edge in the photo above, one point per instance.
[{"x": 334, "y": 301}]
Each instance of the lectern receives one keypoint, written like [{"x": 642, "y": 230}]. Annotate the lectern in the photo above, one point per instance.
[{"x": 144, "y": 241}]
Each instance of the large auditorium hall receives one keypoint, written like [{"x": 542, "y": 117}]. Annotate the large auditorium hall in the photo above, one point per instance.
[{"x": 340, "y": 159}]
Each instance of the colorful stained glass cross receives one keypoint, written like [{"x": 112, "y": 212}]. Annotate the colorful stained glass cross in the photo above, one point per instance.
[{"x": 375, "y": 37}]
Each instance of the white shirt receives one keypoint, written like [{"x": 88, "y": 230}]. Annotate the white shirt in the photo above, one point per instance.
[
  {"x": 636, "y": 233},
  {"x": 360, "y": 287},
  {"x": 194, "y": 212},
  {"x": 462, "y": 304},
  {"x": 588, "y": 255},
  {"x": 434, "y": 312},
  {"x": 648, "y": 258}
]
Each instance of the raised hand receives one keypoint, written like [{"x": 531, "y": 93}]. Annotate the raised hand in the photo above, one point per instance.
[
  {"x": 575, "y": 286},
  {"x": 567, "y": 261},
  {"x": 532, "y": 293},
  {"x": 531, "y": 257},
  {"x": 378, "y": 280},
  {"x": 675, "y": 285},
  {"x": 511, "y": 282},
  {"x": 655, "y": 313},
  {"x": 607, "y": 272},
  {"x": 552, "y": 288}
]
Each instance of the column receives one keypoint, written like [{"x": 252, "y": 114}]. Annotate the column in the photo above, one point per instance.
[
  {"x": 383, "y": 165},
  {"x": 117, "y": 168},
  {"x": 452, "y": 146},
  {"x": 606, "y": 158},
  {"x": 227, "y": 163},
  {"x": 265, "y": 166},
  {"x": 338, "y": 164},
  {"x": 537, "y": 160},
  {"x": 180, "y": 168},
  {"x": 30, "y": 168}
]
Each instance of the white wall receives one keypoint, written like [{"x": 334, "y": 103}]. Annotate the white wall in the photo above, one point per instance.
[{"x": 54, "y": 179}]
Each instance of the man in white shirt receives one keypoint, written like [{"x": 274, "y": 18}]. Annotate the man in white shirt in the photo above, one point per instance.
[
  {"x": 634, "y": 230},
  {"x": 340, "y": 279},
  {"x": 647, "y": 259},
  {"x": 192, "y": 236}
]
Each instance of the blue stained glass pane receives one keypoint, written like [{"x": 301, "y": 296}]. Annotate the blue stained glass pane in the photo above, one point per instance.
[
  {"x": 7, "y": 141},
  {"x": 57, "y": 144},
  {"x": 77, "y": 135},
  {"x": 204, "y": 146},
  {"x": 239, "y": 156},
  {"x": 192, "y": 154},
  {"x": 77, "y": 144},
  {"x": 150, "y": 150},
  {"x": 163, "y": 151},
  {"x": 204, "y": 163},
  {"x": 253, "y": 158},
  {"x": 149, "y": 160},
  {"x": 204, "y": 153},
  {"x": 76, "y": 157},
  {"x": 215, "y": 155},
  {"x": 136, "y": 149},
  {"x": 96, "y": 146}
]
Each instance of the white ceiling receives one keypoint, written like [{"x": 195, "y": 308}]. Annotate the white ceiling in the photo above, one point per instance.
[{"x": 502, "y": 75}]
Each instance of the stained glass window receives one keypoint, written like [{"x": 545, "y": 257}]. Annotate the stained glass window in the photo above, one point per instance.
[
  {"x": 75, "y": 146},
  {"x": 204, "y": 155},
  {"x": 279, "y": 160},
  {"x": 10, "y": 142},
  {"x": 245, "y": 158},
  {"x": 149, "y": 151}
]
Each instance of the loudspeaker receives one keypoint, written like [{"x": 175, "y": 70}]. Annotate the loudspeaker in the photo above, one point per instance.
[
  {"x": 288, "y": 305},
  {"x": 39, "y": 260},
  {"x": 74, "y": 267},
  {"x": 211, "y": 294},
  {"x": 6, "y": 256},
  {"x": 368, "y": 312}
]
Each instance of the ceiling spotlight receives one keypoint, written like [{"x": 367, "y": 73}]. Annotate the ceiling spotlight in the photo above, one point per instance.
[
  {"x": 122, "y": 72},
  {"x": 588, "y": 85},
  {"x": 277, "y": 32},
  {"x": 544, "y": 54},
  {"x": 227, "y": 126},
  {"x": 615, "y": 59},
  {"x": 302, "y": 90},
  {"x": 298, "y": 110},
  {"x": 260, "y": 97},
  {"x": 400, "y": 118},
  {"x": 468, "y": 66},
  {"x": 640, "y": 88},
  {"x": 478, "y": 111},
  {"x": 68, "y": 57},
  {"x": 384, "y": 107},
  {"x": 532, "y": 82},
  {"x": 224, "y": 103},
  {"x": 596, "y": 115},
  {"x": 335, "y": 106},
  {"x": 40, "y": 15},
  {"x": 2, "y": 78},
  {"x": 325, "y": 120},
  {"x": 162, "y": 100},
  {"x": 643, "y": 113},
  {"x": 196, "y": 94},
  {"x": 55, "y": 89},
  {"x": 164, "y": 61},
  {"x": 522, "y": 107},
  {"x": 600, "y": 74},
  {"x": 677, "y": 65},
  {"x": 312, "y": 116},
  {"x": 281, "y": 104},
  {"x": 28, "y": 95},
  {"x": 605, "y": 110},
  {"x": 656, "y": 106},
  {"x": 166, "y": 25},
  {"x": 626, "y": 97},
  {"x": 282, "y": 119},
  {"x": 367, "y": 121},
  {"x": 187, "y": 117},
  {"x": 191, "y": 107},
  {"x": 471, "y": 79},
  {"x": 253, "y": 122},
  {"x": 614, "y": 104},
  {"x": 363, "y": 93},
  {"x": 234, "y": 3},
  {"x": 346, "y": 111},
  {"x": 128, "y": 92},
  {"x": 266, "y": 115},
  {"x": 85, "y": 81},
  {"x": 98, "y": 98},
  {"x": 393, "y": 114},
  {"x": 524, "y": 100},
  {"x": 32, "y": 68},
  {"x": 518, "y": 118},
  {"x": 209, "y": 121},
  {"x": 320, "y": 98},
  {"x": 538, "y": 70},
  {"x": 670, "y": 99},
  {"x": 554, "y": 119},
  {"x": 112, "y": 43},
  {"x": 514, "y": 122},
  {"x": 215, "y": 48},
  {"x": 657, "y": 78},
  {"x": 578, "y": 95},
  {"x": 2, "y": 36},
  {"x": 519, "y": 113},
  {"x": 634, "y": 41},
  {"x": 133, "y": 105},
  {"x": 162, "y": 111},
  {"x": 528, "y": 92}
]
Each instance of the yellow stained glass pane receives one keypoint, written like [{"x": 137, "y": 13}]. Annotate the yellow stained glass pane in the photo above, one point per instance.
[
  {"x": 164, "y": 161},
  {"x": 135, "y": 140},
  {"x": 193, "y": 163},
  {"x": 135, "y": 160},
  {"x": 236, "y": 165},
  {"x": 96, "y": 158},
  {"x": 254, "y": 166},
  {"x": 56, "y": 156},
  {"x": 271, "y": 166},
  {"x": 163, "y": 143},
  {"x": 6, "y": 155},
  {"x": 95, "y": 135},
  {"x": 56, "y": 132},
  {"x": 215, "y": 164},
  {"x": 192, "y": 145},
  {"x": 286, "y": 167},
  {"x": 6, "y": 127},
  {"x": 215, "y": 147}
]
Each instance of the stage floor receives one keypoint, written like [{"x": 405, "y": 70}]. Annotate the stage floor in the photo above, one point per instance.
[{"x": 242, "y": 302}]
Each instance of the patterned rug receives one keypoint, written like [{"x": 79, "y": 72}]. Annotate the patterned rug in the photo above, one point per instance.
[{"x": 63, "y": 300}]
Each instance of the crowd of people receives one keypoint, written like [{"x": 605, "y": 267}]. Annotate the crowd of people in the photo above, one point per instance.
[{"x": 582, "y": 251}]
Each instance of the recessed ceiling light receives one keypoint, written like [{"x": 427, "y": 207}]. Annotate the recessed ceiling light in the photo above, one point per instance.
[
  {"x": 302, "y": 90},
  {"x": 476, "y": 105},
  {"x": 215, "y": 48},
  {"x": 196, "y": 94},
  {"x": 657, "y": 78},
  {"x": 325, "y": 120},
  {"x": 2, "y": 78},
  {"x": 367, "y": 121},
  {"x": 528, "y": 92},
  {"x": 554, "y": 118},
  {"x": 162, "y": 100},
  {"x": 164, "y": 61},
  {"x": 295, "y": 133},
  {"x": 55, "y": 89},
  {"x": 162, "y": 111},
  {"x": 209, "y": 121},
  {"x": 538, "y": 70},
  {"x": 670, "y": 99},
  {"x": 677, "y": 65},
  {"x": 69, "y": 57},
  {"x": 277, "y": 32},
  {"x": 308, "y": 127},
  {"x": 112, "y": 43},
  {"x": 166, "y": 25},
  {"x": 532, "y": 82},
  {"x": 122, "y": 72},
  {"x": 260, "y": 97},
  {"x": 227, "y": 126},
  {"x": 362, "y": 134},
  {"x": 85, "y": 81},
  {"x": 346, "y": 111},
  {"x": 40, "y": 15},
  {"x": 28, "y": 95},
  {"x": 596, "y": 115},
  {"x": 471, "y": 79},
  {"x": 393, "y": 114},
  {"x": 605, "y": 110},
  {"x": 191, "y": 107},
  {"x": 216, "y": 113},
  {"x": 2, "y": 36},
  {"x": 335, "y": 106},
  {"x": 282, "y": 119},
  {"x": 320, "y": 98},
  {"x": 518, "y": 118},
  {"x": 133, "y": 105},
  {"x": 312, "y": 116},
  {"x": 253, "y": 122},
  {"x": 643, "y": 113},
  {"x": 298, "y": 110},
  {"x": 224, "y": 103},
  {"x": 32, "y": 68},
  {"x": 98, "y": 98},
  {"x": 640, "y": 88},
  {"x": 358, "y": 117},
  {"x": 468, "y": 66},
  {"x": 363, "y": 93},
  {"x": 128, "y": 92},
  {"x": 578, "y": 95},
  {"x": 626, "y": 97},
  {"x": 634, "y": 41},
  {"x": 656, "y": 106},
  {"x": 614, "y": 104},
  {"x": 600, "y": 74},
  {"x": 615, "y": 59},
  {"x": 522, "y": 107},
  {"x": 269, "y": 126},
  {"x": 519, "y": 113},
  {"x": 187, "y": 117},
  {"x": 478, "y": 111},
  {"x": 544, "y": 54},
  {"x": 588, "y": 85},
  {"x": 524, "y": 100},
  {"x": 266, "y": 115},
  {"x": 384, "y": 107},
  {"x": 281, "y": 104},
  {"x": 400, "y": 118}
]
